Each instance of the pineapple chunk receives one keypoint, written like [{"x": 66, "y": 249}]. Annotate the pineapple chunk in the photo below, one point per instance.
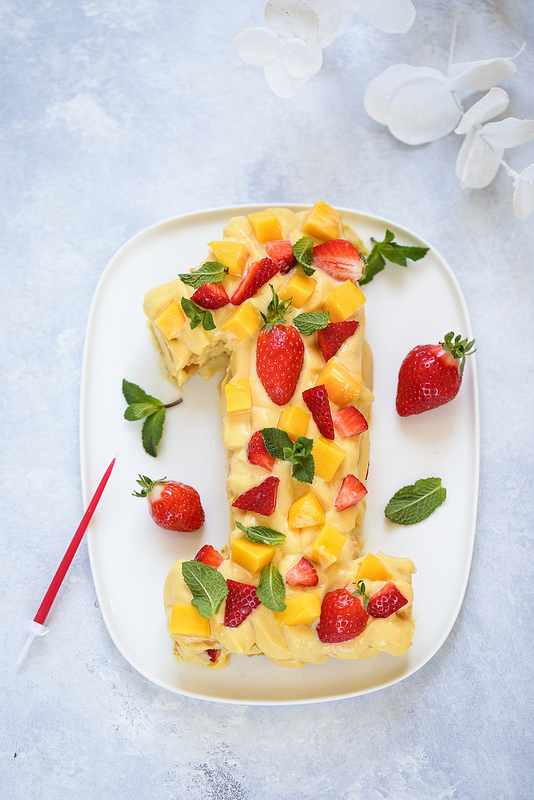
[
  {"x": 327, "y": 546},
  {"x": 372, "y": 569},
  {"x": 301, "y": 609},
  {"x": 238, "y": 396},
  {"x": 186, "y": 621},
  {"x": 266, "y": 226},
  {"x": 342, "y": 386},
  {"x": 299, "y": 288},
  {"x": 233, "y": 255},
  {"x": 242, "y": 322},
  {"x": 170, "y": 320},
  {"x": 294, "y": 421},
  {"x": 306, "y": 511},
  {"x": 327, "y": 456},
  {"x": 322, "y": 221},
  {"x": 344, "y": 301},
  {"x": 252, "y": 556}
]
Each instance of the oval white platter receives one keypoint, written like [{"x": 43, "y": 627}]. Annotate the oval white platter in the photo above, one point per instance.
[{"x": 130, "y": 556}]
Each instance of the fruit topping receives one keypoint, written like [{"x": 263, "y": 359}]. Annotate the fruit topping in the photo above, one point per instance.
[
  {"x": 210, "y": 556},
  {"x": 349, "y": 422},
  {"x": 303, "y": 573},
  {"x": 213, "y": 654},
  {"x": 316, "y": 399},
  {"x": 172, "y": 505},
  {"x": 240, "y": 602},
  {"x": 210, "y": 295},
  {"x": 257, "y": 453},
  {"x": 279, "y": 353},
  {"x": 256, "y": 276},
  {"x": 386, "y": 601},
  {"x": 260, "y": 499},
  {"x": 330, "y": 339},
  {"x": 343, "y": 617},
  {"x": 281, "y": 252},
  {"x": 350, "y": 492},
  {"x": 338, "y": 258}
]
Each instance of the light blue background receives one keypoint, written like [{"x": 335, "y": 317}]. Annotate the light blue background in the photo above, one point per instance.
[{"x": 116, "y": 115}]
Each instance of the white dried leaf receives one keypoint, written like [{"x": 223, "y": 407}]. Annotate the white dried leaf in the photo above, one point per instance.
[
  {"x": 301, "y": 60},
  {"x": 493, "y": 103},
  {"x": 479, "y": 76},
  {"x": 280, "y": 82},
  {"x": 390, "y": 16},
  {"x": 257, "y": 47},
  {"x": 292, "y": 18},
  {"x": 523, "y": 199}
]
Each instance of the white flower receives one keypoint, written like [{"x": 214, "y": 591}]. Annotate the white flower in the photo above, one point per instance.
[
  {"x": 524, "y": 193},
  {"x": 482, "y": 150},
  {"x": 390, "y": 16}
]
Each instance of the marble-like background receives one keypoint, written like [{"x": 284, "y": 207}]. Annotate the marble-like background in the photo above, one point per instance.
[{"x": 117, "y": 114}]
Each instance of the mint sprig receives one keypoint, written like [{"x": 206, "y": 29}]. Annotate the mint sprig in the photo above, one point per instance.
[
  {"x": 209, "y": 272},
  {"x": 197, "y": 316},
  {"x": 271, "y": 590},
  {"x": 262, "y": 534},
  {"x": 298, "y": 453},
  {"x": 143, "y": 406},
  {"x": 416, "y": 502},
  {"x": 303, "y": 252},
  {"x": 389, "y": 250},
  {"x": 208, "y": 586},
  {"x": 311, "y": 321}
]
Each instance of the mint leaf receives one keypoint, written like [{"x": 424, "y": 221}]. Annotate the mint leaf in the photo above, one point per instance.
[
  {"x": 375, "y": 263},
  {"x": 271, "y": 590},
  {"x": 298, "y": 453},
  {"x": 207, "y": 585},
  {"x": 303, "y": 252},
  {"x": 197, "y": 315},
  {"x": 134, "y": 394},
  {"x": 137, "y": 411},
  {"x": 152, "y": 431},
  {"x": 311, "y": 321},
  {"x": 209, "y": 272},
  {"x": 262, "y": 534},
  {"x": 390, "y": 250},
  {"x": 414, "y": 503}
]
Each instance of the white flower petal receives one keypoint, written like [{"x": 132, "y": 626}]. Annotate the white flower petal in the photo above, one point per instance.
[
  {"x": 355, "y": 6},
  {"x": 479, "y": 76},
  {"x": 423, "y": 111},
  {"x": 292, "y": 18},
  {"x": 330, "y": 20},
  {"x": 300, "y": 60},
  {"x": 524, "y": 193},
  {"x": 280, "y": 82},
  {"x": 493, "y": 103},
  {"x": 381, "y": 90},
  {"x": 390, "y": 16},
  {"x": 257, "y": 46},
  {"x": 479, "y": 163},
  {"x": 509, "y": 132}
]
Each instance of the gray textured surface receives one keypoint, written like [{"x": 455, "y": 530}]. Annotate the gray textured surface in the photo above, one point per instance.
[{"x": 116, "y": 115}]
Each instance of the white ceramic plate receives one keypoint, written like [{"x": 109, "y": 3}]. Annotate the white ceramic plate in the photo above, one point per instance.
[{"x": 130, "y": 556}]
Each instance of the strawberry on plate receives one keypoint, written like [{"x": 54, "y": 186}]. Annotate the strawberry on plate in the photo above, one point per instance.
[
  {"x": 260, "y": 499},
  {"x": 279, "y": 353},
  {"x": 303, "y": 573},
  {"x": 316, "y": 398},
  {"x": 338, "y": 258},
  {"x": 386, "y": 601},
  {"x": 343, "y": 617},
  {"x": 431, "y": 375},
  {"x": 241, "y": 601},
  {"x": 330, "y": 339},
  {"x": 257, "y": 275},
  {"x": 210, "y": 556},
  {"x": 349, "y": 422},
  {"x": 258, "y": 454},
  {"x": 281, "y": 252},
  {"x": 172, "y": 505},
  {"x": 350, "y": 492},
  {"x": 211, "y": 295}
]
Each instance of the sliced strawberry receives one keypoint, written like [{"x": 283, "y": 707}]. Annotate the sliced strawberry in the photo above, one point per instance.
[
  {"x": 303, "y": 573},
  {"x": 260, "y": 499},
  {"x": 210, "y": 556},
  {"x": 330, "y": 339},
  {"x": 343, "y": 617},
  {"x": 316, "y": 399},
  {"x": 213, "y": 654},
  {"x": 386, "y": 601},
  {"x": 349, "y": 422},
  {"x": 350, "y": 492},
  {"x": 211, "y": 295},
  {"x": 241, "y": 601},
  {"x": 258, "y": 454},
  {"x": 258, "y": 274},
  {"x": 281, "y": 252},
  {"x": 338, "y": 258}
]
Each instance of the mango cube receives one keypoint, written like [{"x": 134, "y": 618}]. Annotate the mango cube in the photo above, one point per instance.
[
  {"x": 306, "y": 511},
  {"x": 300, "y": 288},
  {"x": 253, "y": 556},
  {"x": 233, "y": 255},
  {"x": 266, "y": 226},
  {"x": 322, "y": 221},
  {"x": 294, "y": 421},
  {"x": 301, "y": 609},
  {"x": 327, "y": 456},
  {"x": 327, "y": 546},
  {"x": 242, "y": 322},
  {"x": 186, "y": 621},
  {"x": 238, "y": 396},
  {"x": 342, "y": 386},
  {"x": 343, "y": 301},
  {"x": 372, "y": 569},
  {"x": 170, "y": 320}
]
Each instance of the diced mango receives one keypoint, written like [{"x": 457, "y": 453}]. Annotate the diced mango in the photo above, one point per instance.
[
  {"x": 342, "y": 386},
  {"x": 327, "y": 546},
  {"x": 233, "y": 255},
  {"x": 322, "y": 221},
  {"x": 266, "y": 226},
  {"x": 301, "y": 609},
  {"x": 372, "y": 569},
  {"x": 238, "y": 396},
  {"x": 186, "y": 621},
  {"x": 299, "y": 288},
  {"x": 294, "y": 421},
  {"x": 242, "y": 322},
  {"x": 343, "y": 301},
  {"x": 253, "y": 556},
  {"x": 171, "y": 319},
  {"x": 306, "y": 511},
  {"x": 327, "y": 456}
]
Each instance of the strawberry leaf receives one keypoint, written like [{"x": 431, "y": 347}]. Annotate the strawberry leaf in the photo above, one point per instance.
[
  {"x": 311, "y": 321},
  {"x": 197, "y": 315},
  {"x": 271, "y": 590},
  {"x": 152, "y": 431},
  {"x": 414, "y": 503},
  {"x": 209, "y": 272},
  {"x": 361, "y": 592},
  {"x": 208, "y": 586},
  {"x": 298, "y": 453},
  {"x": 262, "y": 534},
  {"x": 390, "y": 250},
  {"x": 303, "y": 252}
]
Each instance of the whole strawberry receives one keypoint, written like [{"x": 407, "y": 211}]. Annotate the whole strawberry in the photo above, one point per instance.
[
  {"x": 431, "y": 375},
  {"x": 279, "y": 353},
  {"x": 172, "y": 505},
  {"x": 343, "y": 617}
]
